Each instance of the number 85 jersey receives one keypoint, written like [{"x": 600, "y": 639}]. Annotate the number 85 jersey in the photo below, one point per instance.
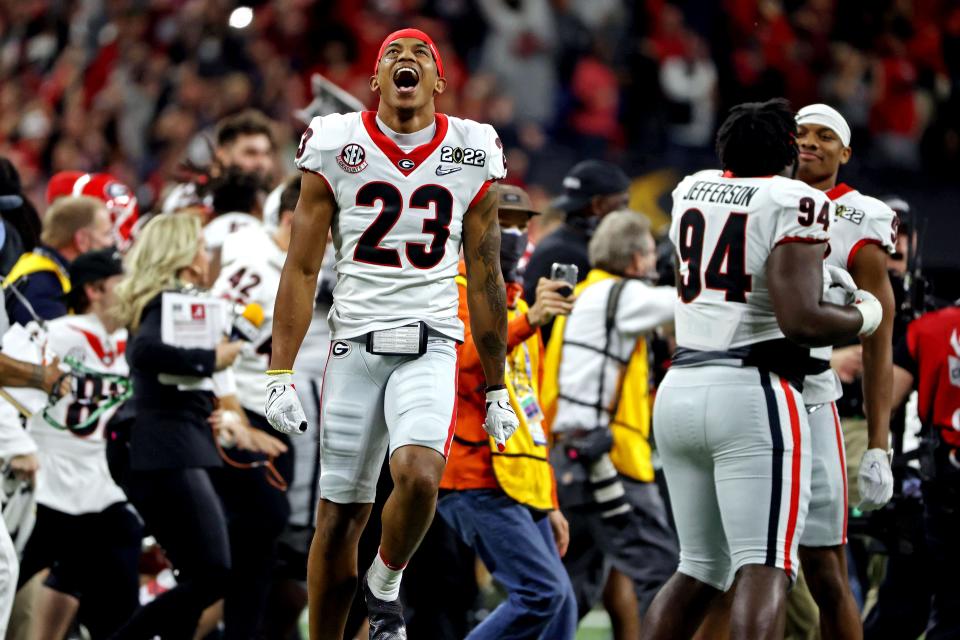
[
  {"x": 399, "y": 221},
  {"x": 724, "y": 229}
]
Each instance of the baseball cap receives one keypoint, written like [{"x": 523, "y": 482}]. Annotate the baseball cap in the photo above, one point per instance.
[
  {"x": 513, "y": 198},
  {"x": 95, "y": 265},
  {"x": 588, "y": 179}
]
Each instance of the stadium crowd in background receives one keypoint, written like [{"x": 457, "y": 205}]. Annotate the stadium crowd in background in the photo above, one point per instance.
[
  {"x": 128, "y": 87},
  {"x": 115, "y": 114}
]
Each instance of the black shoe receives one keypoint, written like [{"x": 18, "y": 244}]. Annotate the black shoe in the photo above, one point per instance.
[{"x": 386, "y": 618}]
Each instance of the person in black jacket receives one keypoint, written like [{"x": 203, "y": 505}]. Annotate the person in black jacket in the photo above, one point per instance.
[
  {"x": 592, "y": 189},
  {"x": 172, "y": 446}
]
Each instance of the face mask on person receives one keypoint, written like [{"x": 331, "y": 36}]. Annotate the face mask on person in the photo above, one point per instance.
[{"x": 513, "y": 243}]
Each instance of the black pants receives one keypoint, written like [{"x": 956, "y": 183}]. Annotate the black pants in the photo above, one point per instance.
[
  {"x": 92, "y": 557},
  {"x": 183, "y": 512},
  {"x": 941, "y": 519},
  {"x": 257, "y": 513},
  {"x": 640, "y": 544}
]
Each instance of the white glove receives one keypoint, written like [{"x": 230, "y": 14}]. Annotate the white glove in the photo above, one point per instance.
[
  {"x": 864, "y": 301},
  {"x": 875, "y": 480},
  {"x": 838, "y": 285},
  {"x": 871, "y": 310},
  {"x": 283, "y": 410},
  {"x": 501, "y": 421}
]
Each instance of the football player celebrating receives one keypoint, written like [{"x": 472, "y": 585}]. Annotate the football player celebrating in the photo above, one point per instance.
[
  {"x": 729, "y": 419},
  {"x": 400, "y": 188},
  {"x": 863, "y": 230}
]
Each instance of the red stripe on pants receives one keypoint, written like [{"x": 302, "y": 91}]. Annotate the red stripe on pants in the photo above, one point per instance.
[
  {"x": 843, "y": 466},
  {"x": 453, "y": 419},
  {"x": 794, "y": 475}
]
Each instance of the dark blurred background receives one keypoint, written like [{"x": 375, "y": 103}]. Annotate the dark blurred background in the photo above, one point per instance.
[{"x": 132, "y": 86}]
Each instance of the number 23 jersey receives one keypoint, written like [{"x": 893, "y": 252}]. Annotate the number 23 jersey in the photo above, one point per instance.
[
  {"x": 399, "y": 221},
  {"x": 724, "y": 229}
]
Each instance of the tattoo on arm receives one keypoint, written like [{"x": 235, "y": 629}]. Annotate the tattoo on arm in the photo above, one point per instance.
[{"x": 493, "y": 342}]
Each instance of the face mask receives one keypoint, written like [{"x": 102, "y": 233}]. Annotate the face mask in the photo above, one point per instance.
[{"x": 513, "y": 243}]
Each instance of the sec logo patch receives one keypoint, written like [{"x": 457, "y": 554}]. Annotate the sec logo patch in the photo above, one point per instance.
[
  {"x": 352, "y": 158},
  {"x": 340, "y": 349}
]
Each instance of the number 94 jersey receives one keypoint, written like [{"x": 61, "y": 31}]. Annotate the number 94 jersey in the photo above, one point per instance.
[
  {"x": 724, "y": 229},
  {"x": 399, "y": 223}
]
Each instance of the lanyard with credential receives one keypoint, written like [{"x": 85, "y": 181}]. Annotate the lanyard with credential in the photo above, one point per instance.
[{"x": 527, "y": 396}]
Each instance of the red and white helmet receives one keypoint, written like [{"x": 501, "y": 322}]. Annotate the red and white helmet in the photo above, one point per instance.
[{"x": 119, "y": 198}]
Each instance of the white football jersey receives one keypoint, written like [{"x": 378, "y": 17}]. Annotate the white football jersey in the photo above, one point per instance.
[
  {"x": 399, "y": 223},
  {"x": 74, "y": 477},
  {"x": 250, "y": 272},
  {"x": 858, "y": 220},
  {"x": 724, "y": 228}
]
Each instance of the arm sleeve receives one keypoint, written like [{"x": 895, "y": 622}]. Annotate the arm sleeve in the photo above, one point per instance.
[
  {"x": 789, "y": 223},
  {"x": 643, "y": 308},
  {"x": 149, "y": 353},
  {"x": 496, "y": 162},
  {"x": 309, "y": 152},
  {"x": 879, "y": 227}
]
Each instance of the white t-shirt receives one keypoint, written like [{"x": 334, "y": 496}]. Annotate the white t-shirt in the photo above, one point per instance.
[
  {"x": 398, "y": 228},
  {"x": 73, "y": 476},
  {"x": 641, "y": 309},
  {"x": 858, "y": 221},
  {"x": 724, "y": 229}
]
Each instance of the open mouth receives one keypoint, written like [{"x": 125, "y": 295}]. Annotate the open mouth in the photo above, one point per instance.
[{"x": 406, "y": 79}]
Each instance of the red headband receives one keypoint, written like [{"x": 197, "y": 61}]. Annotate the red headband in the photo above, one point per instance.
[{"x": 411, "y": 33}]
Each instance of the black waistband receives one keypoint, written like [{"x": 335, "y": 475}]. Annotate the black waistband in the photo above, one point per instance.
[{"x": 782, "y": 357}]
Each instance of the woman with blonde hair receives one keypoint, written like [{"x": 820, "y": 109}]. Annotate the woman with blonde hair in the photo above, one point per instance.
[{"x": 172, "y": 447}]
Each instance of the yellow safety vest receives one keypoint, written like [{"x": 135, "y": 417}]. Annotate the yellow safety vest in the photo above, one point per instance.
[
  {"x": 630, "y": 426},
  {"x": 31, "y": 262},
  {"x": 523, "y": 469}
]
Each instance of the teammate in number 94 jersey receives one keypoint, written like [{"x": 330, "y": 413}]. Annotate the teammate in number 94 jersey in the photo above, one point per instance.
[
  {"x": 729, "y": 419},
  {"x": 400, "y": 189}
]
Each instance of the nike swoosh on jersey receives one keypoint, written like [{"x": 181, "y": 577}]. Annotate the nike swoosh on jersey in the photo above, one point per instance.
[{"x": 442, "y": 171}]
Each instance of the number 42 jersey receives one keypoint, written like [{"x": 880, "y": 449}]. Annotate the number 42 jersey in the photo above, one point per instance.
[
  {"x": 399, "y": 220},
  {"x": 724, "y": 229}
]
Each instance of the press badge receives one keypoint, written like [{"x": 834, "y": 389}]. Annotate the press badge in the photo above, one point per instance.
[
  {"x": 534, "y": 416},
  {"x": 409, "y": 340},
  {"x": 536, "y": 433}
]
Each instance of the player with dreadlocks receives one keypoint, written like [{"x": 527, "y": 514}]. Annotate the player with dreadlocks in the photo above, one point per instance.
[{"x": 729, "y": 418}]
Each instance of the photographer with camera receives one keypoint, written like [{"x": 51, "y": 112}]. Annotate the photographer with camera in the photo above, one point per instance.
[
  {"x": 591, "y": 190},
  {"x": 597, "y": 397}
]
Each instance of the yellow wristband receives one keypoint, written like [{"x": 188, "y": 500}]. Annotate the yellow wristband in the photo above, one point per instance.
[{"x": 279, "y": 372}]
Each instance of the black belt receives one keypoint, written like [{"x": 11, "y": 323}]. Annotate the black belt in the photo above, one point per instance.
[{"x": 782, "y": 357}]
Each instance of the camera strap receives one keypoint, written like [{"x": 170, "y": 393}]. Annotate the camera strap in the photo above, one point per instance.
[
  {"x": 610, "y": 321},
  {"x": 613, "y": 301}
]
